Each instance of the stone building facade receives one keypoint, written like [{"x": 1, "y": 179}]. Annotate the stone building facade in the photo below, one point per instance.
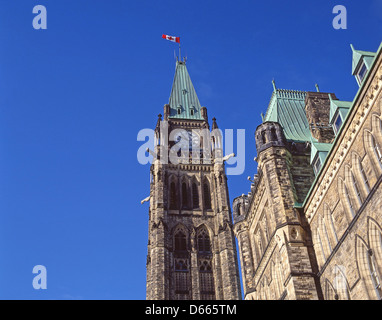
[
  {"x": 310, "y": 227},
  {"x": 191, "y": 246}
]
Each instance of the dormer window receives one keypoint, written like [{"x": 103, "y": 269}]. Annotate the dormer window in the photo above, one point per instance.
[
  {"x": 317, "y": 164},
  {"x": 192, "y": 111},
  {"x": 318, "y": 155},
  {"x": 337, "y": 124},
  {"x": 361, "y": 73},
  {"x": 179, "y": 109},
  {"x": 361, "y": 64},
  {"x": 338, "y": 112}
]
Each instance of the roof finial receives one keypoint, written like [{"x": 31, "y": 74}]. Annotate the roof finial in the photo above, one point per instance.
[
  {"x": 352, "y": 47},
  {"x": 274, "y": 85},
  {"x": 214, "y": 124},
  {"x": 262, "y": 116},
  {"x": 317, "y": 88}
]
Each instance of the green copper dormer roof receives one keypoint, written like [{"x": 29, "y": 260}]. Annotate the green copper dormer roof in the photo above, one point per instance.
[
  {"x": 342, "y": 107},
  {"x": 287, "y": 107},
  {"x": 359, "y": 56},
  {"x": 321, "y": 149},
  {"x": 184, "y": 103}
]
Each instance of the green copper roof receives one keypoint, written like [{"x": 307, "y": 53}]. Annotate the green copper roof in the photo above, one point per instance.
[
  {"x": 287, "y": 107},
  {"x": 367, "y": 56},
  {"x": 184, "y": 103}
]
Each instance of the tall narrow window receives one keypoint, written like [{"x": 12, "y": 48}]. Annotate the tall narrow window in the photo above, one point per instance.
[
  {"x": 317, "y": 165},
  {"x": 364, "y": 176},
  {"x": 337, "y": 123},
  {"x": 207, "y": 195},
  {"x": 263, "y": 137},
  {"x": 204, "y": 245},
  {"x": 184, "y": 196},
  {"x": 357, "y": 189},
  {"x": 347, "y": 195},
  {"x": 273, "y": 134},
  {"x": 374, "y": 275},
  {"x": 362, "y": 72},
  {"x": 206, "y": 280},
  {"x": 180, "y": 241},
  {"x": 182, "y": 279},
  {"x": 321, "y": 245},
  {"x": 330, "y": 292},
  {"x": 260, "y": 247},
  {"x": 238, "y": 209},
  {"x": 206, "y": 277},
  {"x": 330, "y": 223},
  {"x": 255, "y": 248},
  {"x": 173, "y": 198},
  {"x": 181, "y": 276},
  {"x": 377, "y": 149},
  {"x": 327, "y": 236},
  {"x": 341, "y": 284},
  {"x": 195, "y": 196}
]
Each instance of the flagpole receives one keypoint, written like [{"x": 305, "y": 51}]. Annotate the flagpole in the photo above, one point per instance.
[{"x": 180, "y": 57}]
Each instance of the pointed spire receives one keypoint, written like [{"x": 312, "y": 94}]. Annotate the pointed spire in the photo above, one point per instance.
[
  {"x": 184, "y": 102},
  {"x": 317, "y": 88},
  {"x": 159, "y": 121}
]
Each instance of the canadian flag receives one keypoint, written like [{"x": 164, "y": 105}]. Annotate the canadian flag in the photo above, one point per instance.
[{"x": 171, "y": 38}]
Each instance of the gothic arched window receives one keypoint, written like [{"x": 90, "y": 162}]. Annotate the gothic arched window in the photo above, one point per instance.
[
  {"x": 180, "y": 241},
  {"x": 204, "y": 245},
  {"x": 273, "y": 134},
  {"x": 173, "y": 198},
  {"x": 357, "y": 189},
  {"x": 195, "y": 196},
  {"x": 206, "y": 277},
  {"x": 364, "y": 176},
  {"x": 206, "y": 280},
  {"x": 184, "y": 195},
  {"x": 377, "y": 149},
  {"x": 181, "y": 275},
  {"x": 348, "y": 198},
  {"x": 238, "y": 209},
  {"x": 263, "y": 137},
  {"x": 375, "y": 277},
  {"x": 368, "y": 268},
  {"x": 207, "y": 195}
]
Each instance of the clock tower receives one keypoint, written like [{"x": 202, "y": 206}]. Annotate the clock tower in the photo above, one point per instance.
[{"x": 191, "y": 246}]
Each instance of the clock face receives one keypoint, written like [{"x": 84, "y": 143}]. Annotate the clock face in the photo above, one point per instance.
[{"x": 188, "y": 140}]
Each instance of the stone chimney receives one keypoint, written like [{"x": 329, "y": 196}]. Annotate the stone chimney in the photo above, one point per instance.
[{"x": 317, "y": 109}]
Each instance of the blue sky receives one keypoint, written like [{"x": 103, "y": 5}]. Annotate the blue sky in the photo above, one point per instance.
[{"x": 73, "y": 98}]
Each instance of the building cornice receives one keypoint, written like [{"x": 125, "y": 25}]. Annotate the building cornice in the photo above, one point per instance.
[{"x": 353, "y": 123}]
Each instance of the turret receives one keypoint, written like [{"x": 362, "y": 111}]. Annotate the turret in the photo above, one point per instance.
[
  {"x": 269, "y": 134},
  {"x": 239, "y": 207}
]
